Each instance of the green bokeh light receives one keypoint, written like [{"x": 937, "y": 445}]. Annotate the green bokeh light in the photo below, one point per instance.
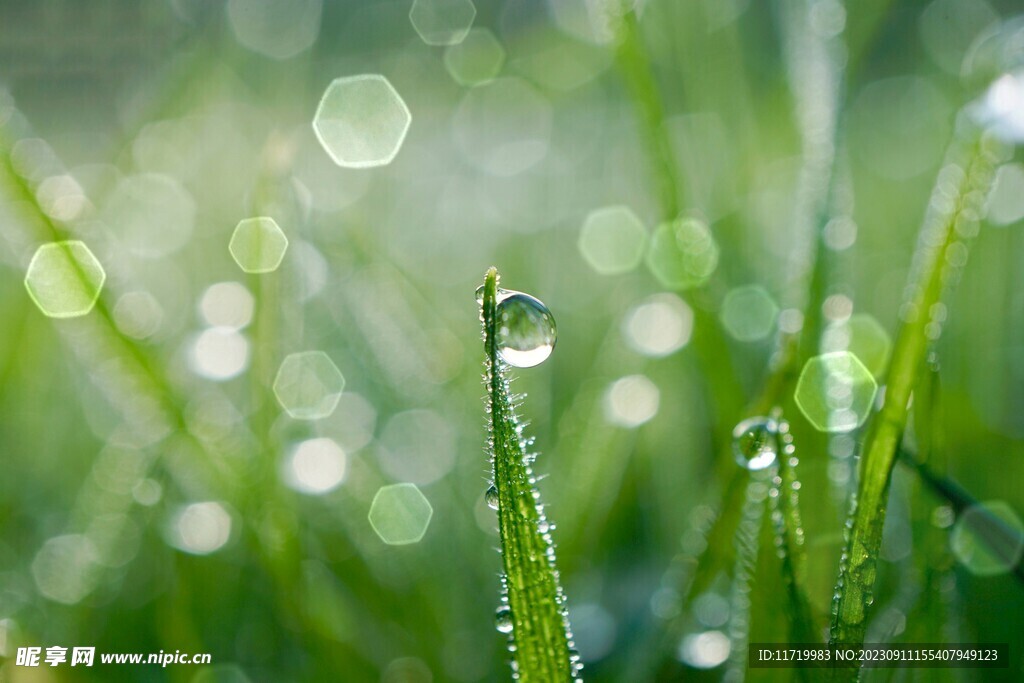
[
  {"x": 400, "y": 514},
  {"x": 258, "y": 245},
  {"x": 64, "y": 279},
  {"x": 835, "y": 392},
  {"x": 361, "y": 121},
  {"x": 309, "y": 385},
  {"x": 682, "y": 254},
  {"x": 612, "y": 240}
]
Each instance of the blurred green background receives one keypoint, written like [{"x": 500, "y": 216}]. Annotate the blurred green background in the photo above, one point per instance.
[{"x": 154, "y": 495}]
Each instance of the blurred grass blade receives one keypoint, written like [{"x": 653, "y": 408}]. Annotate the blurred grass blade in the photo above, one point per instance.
[
  {"x": 993, "y": 531},
  {"x": 746, "y": 544},
  {"x": 952, "y": 217},
  {"x": 789, "y": 539},
  {"x": 533, "y": 609},
  {"x": 639, "y": 78}
]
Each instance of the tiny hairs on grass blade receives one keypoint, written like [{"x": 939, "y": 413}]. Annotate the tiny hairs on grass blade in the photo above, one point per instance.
[{"x": 532, "y": 610}]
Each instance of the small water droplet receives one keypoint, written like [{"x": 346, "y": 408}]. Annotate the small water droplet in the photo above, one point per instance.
[
  {"x": 755, "y": 443},
  {"x": 525, "y": 330},
  {"x": 491, "y": 497},
  {"x": 503, "y": 619}
]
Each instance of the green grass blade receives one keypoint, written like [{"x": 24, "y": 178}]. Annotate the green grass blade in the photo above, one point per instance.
[
  {"x": 952, "y": 217},
  {"x": 639, "y": 78},
  {"x": 789, "y": 539},
  {"x": 746, "y": 544},
  {"x": 540, "y": 636}
]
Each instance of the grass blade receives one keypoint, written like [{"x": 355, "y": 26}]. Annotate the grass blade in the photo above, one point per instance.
[
  {"x": 952, "y": 217},
  {"x": 533, "y": 605},
  {"x": 789, "y": 539},
  {"x": 639, "y": 77},
  {"x": 746, "y": 544}
]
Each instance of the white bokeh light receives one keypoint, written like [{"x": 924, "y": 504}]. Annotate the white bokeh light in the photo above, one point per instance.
[
  {"x": 1002, "y": 107},
  {"x": 227, "y": 304},
  {"x": 66, "y": 568},
  {"x": 631, "y": 401},
  {"x": 278, "y": 29},
  {"x": 705, "y": 650},
  {"x": 200, "y": 528},
  {"x": 219, "y": 353},
  {"x": 315, "y": 466},
  {"x": 659, "y": 326}
]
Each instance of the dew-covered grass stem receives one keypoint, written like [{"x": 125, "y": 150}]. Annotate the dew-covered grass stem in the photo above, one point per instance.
[
  {"x": 532, "y": 610},
  {"x": 951, "y": 219}
]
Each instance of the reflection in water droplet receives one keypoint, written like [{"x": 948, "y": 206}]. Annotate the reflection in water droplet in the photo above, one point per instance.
[
  {"x": 501, "y": 294},
  {"x": 503, "y": 619},
  {"x": 491, "y": 497},
  {"x": 525, "y": 330},
  {"x": 754, "y": 443}
]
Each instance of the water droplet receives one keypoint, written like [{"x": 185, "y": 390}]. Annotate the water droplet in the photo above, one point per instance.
[
  {"x": 503, "y": 619},
  {"x": 491, "y": 497},
  {"x": 500, "y": 294},
  {"x": 526, "y": 330},
  {"x": 755, "y": 444}
]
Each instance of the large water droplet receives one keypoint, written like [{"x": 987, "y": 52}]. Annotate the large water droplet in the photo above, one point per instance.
[
  {"x": 755, "y": 443},
  {"x": 525, "y": 330},
  {"x": 503, "y": 619},
  {"x": 491, "y": 497}
]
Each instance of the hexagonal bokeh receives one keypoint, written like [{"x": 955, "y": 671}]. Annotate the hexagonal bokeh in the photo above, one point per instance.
[
  {"x": 308, "y": 385},
  {"x": 835, "y": 392},
  {"x": 988, "y": 538},
  {"x": 400, "y": 514},
  {"x": 258, "y": 245},
  {"x": 477, "y": 59},
  {"x": 748, "y": 313},
  {"x": 64, "y": 279},
  {"x": 863, "y": 336},
  {"x": 278, "y": 29},
  {"x": 612, "y": 240},
  {"x": 442, "y": 22},
  {"x": 682, "y": 253},
  {"x": 361, "y": 121}
]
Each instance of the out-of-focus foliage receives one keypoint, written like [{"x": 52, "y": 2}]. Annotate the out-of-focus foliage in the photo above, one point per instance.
[{"x": 158, "y": 493}]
